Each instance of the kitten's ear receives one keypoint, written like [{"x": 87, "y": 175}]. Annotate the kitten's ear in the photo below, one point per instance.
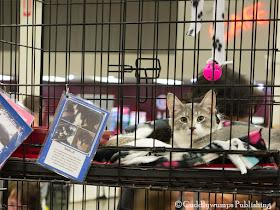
[
  {"x": 173, "y": 103},
  {"x": 208, "y": 102}
]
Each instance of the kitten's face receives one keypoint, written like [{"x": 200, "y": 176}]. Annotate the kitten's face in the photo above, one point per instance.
[
  {"x": 82, "y": 146},
  {"x": 191, "y": 121},
  {"x": 61, "y": 132}
]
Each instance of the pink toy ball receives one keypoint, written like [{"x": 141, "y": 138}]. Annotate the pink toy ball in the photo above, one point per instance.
[{"x": 208, "y": 72}]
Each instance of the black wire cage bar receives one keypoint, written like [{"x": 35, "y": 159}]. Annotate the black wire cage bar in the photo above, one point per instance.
[{"x": 125, "y": 56}]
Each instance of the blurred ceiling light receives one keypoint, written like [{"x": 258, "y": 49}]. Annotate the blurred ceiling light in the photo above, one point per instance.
[
  {"x": 110, "y": 79},
  {"x": 53, "y": 79},
  {"x": 260, "y": 86},
  {"x": 71, "y": 77},
  {"x": 5, "y": 78},
  {"x": 193, "y": 80},
  {"x": 168, "y": 81}
]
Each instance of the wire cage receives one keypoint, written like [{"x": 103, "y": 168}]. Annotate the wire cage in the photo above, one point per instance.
[{"x": 125, "y": 56}]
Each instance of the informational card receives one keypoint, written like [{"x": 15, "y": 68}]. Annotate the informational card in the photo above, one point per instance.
[
  {"x": 25, "y": 114},
  {"x": 73, "y": 138},
  {"x": 13, "y": 130}
]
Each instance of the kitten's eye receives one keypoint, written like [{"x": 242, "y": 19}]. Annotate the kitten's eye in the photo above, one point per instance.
[
  {"x": 184, "y": 119},
  {"x": 200, "y": 119}
]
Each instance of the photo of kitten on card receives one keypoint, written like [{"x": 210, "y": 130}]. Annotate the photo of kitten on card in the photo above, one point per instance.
[
  {"x": 77, "y": 126},
  {"x": 80, "y": 116},
  {"x": 64, "y": 132},
  {"x": 83, "y": 140},
  {"x": 70, "y": 134},
  {"x": 8, "y": 128}
]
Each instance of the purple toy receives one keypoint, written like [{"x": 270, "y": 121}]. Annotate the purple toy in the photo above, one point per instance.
[{"x": 208, "y": 72}]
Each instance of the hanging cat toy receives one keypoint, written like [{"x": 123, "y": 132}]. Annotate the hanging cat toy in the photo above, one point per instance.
[{"x": 213, "y": 69}]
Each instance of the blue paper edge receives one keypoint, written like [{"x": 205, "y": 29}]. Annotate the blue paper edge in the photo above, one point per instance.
[
  {"x": 16, "y": 141},
  {"x": 48, "y": 142}
]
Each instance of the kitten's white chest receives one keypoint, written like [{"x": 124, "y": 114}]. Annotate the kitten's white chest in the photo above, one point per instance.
[
  {"x": 78, "y": 120},
  {"x": 181, "y": 139}
]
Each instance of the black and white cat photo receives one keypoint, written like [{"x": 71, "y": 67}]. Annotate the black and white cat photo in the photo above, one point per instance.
[
  {"x": 8, "y": 128},
  {"x": 81, "y": 116},
  {"x": 83, "y": 140},
  {"x": 64, "y": 132}
]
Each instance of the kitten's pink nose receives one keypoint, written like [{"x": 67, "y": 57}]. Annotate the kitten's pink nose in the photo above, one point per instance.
[{"x": 192, "y": 128}]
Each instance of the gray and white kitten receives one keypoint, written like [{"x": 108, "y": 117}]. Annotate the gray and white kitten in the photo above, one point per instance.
[
  {"x": 193, "y": 120},
  {"x": 187, "y": 122}
]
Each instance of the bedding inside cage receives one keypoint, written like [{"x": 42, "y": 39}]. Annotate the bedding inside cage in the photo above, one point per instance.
[
  {"x": 215, "y": 155},
  {"x": 31, "y": 148}
]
